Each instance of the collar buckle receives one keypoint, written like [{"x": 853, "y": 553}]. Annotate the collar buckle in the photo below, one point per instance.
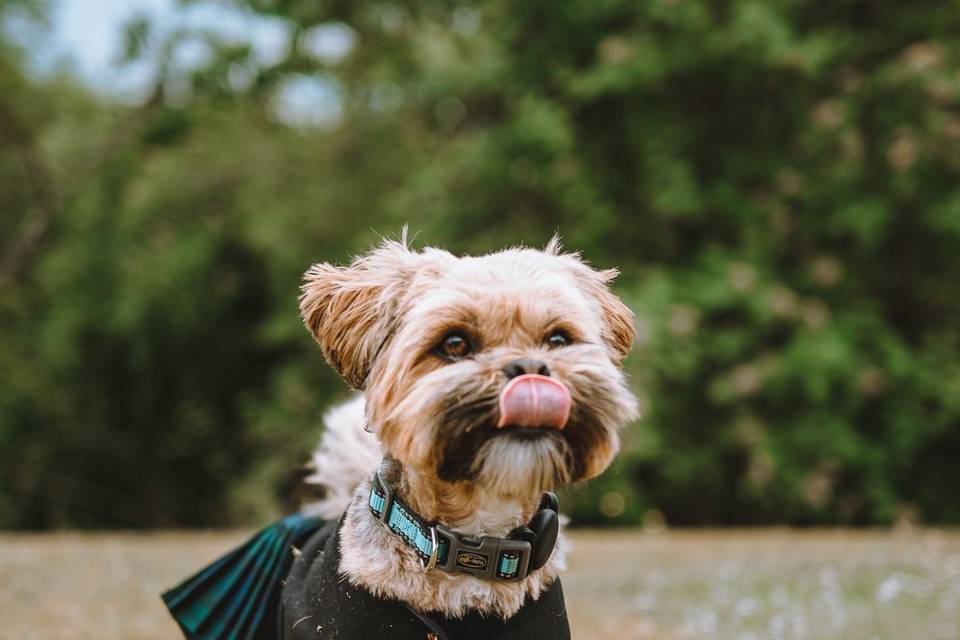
[{"x": 485, "y": 557}]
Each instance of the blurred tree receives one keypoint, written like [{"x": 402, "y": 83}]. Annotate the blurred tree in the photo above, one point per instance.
[{"x": 776, "y": 180}]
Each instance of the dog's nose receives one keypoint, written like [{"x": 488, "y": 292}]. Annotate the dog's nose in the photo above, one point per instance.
[{"x": 526, "y": 365}]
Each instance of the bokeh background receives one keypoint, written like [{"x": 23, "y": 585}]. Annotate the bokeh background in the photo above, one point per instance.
[{"x": 779, "y": 183}]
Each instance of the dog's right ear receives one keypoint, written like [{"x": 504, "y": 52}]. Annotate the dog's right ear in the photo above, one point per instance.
[{"x": 352, "y": 311}]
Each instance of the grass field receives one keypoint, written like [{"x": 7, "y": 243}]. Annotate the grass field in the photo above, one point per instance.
[{"x": 680, "y": 584}]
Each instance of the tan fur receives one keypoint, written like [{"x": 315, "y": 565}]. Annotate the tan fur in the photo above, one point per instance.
[
  {"x": 351, "y": 311},
  {"x": 378, "y": 322}
]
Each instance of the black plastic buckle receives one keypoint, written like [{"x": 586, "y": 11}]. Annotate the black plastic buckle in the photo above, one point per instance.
[{"x": 481, "y": 556}]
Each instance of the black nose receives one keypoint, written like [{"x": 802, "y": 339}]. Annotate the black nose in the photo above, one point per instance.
[{"x": 526, "y": 365}]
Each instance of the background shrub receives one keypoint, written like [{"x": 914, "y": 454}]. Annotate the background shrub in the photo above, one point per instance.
[{"x": 776, "y": 180}]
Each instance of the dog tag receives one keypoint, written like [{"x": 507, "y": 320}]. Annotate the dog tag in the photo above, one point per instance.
[{"x": 546, "y": 525}]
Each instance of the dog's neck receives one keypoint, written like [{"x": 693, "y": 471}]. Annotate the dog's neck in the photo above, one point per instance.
[
  {"x": 462, "y": 506},
  {"x": 380, "y": 561}
]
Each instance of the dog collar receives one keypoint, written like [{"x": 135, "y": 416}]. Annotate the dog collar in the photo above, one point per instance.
[{"x": 524, "y": 550}]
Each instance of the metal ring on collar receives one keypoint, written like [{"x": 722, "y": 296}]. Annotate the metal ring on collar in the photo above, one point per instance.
[{"x": 432, "y": 562}]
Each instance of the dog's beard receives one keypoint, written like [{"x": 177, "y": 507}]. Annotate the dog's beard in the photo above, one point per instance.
[
  {"x": 505, "y": 460},
  {"x": 467, "y": 444}
]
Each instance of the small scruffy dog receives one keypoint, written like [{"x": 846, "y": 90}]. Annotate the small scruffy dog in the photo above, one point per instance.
[{"x": 486, "y": 382}]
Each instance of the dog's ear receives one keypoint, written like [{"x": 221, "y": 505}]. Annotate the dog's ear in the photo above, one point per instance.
[
  {"x": 618, "y": 319},
  {"x": 352, "y": 311},
  {"x": 618, "y": 329}
]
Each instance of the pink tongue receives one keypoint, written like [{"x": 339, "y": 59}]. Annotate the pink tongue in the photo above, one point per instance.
[{"x": 533, "y": 400}]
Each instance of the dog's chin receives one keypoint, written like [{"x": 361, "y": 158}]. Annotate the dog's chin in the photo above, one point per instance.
[{"x": 521, "y": 461}]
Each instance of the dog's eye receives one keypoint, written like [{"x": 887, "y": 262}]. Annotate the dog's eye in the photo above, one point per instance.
[
  {"x": 455, "y": 345},
  {"x": 558, "y": 338}
]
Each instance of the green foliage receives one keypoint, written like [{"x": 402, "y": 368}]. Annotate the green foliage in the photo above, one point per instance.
[{"x": 776, "y": 181}]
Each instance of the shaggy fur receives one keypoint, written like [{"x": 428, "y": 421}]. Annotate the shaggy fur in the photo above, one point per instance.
[{"x": 379, "y": 321}]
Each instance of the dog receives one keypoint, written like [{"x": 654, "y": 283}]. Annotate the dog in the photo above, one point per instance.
[{"x": 485, "y": 382}]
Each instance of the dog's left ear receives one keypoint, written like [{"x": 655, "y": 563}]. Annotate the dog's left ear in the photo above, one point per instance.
[
  {"x": 352, "y": 311},
  {"x": 619, "y": 328}
]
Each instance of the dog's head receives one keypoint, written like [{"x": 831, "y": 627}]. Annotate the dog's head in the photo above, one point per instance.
[{"x": 503, "y": 370}]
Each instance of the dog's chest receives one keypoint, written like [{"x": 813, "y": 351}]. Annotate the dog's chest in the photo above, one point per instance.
[{"x": 318, "y": 604}]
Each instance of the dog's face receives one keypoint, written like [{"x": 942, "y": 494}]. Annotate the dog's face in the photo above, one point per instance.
[{"x": 503, "y": 370}]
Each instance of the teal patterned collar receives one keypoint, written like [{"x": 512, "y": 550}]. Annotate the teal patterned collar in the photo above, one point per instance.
[{"x": 524, "y": 550}]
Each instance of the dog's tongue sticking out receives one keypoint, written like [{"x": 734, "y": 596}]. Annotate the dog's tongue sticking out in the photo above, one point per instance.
[{"x": 533, "y": 400}]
